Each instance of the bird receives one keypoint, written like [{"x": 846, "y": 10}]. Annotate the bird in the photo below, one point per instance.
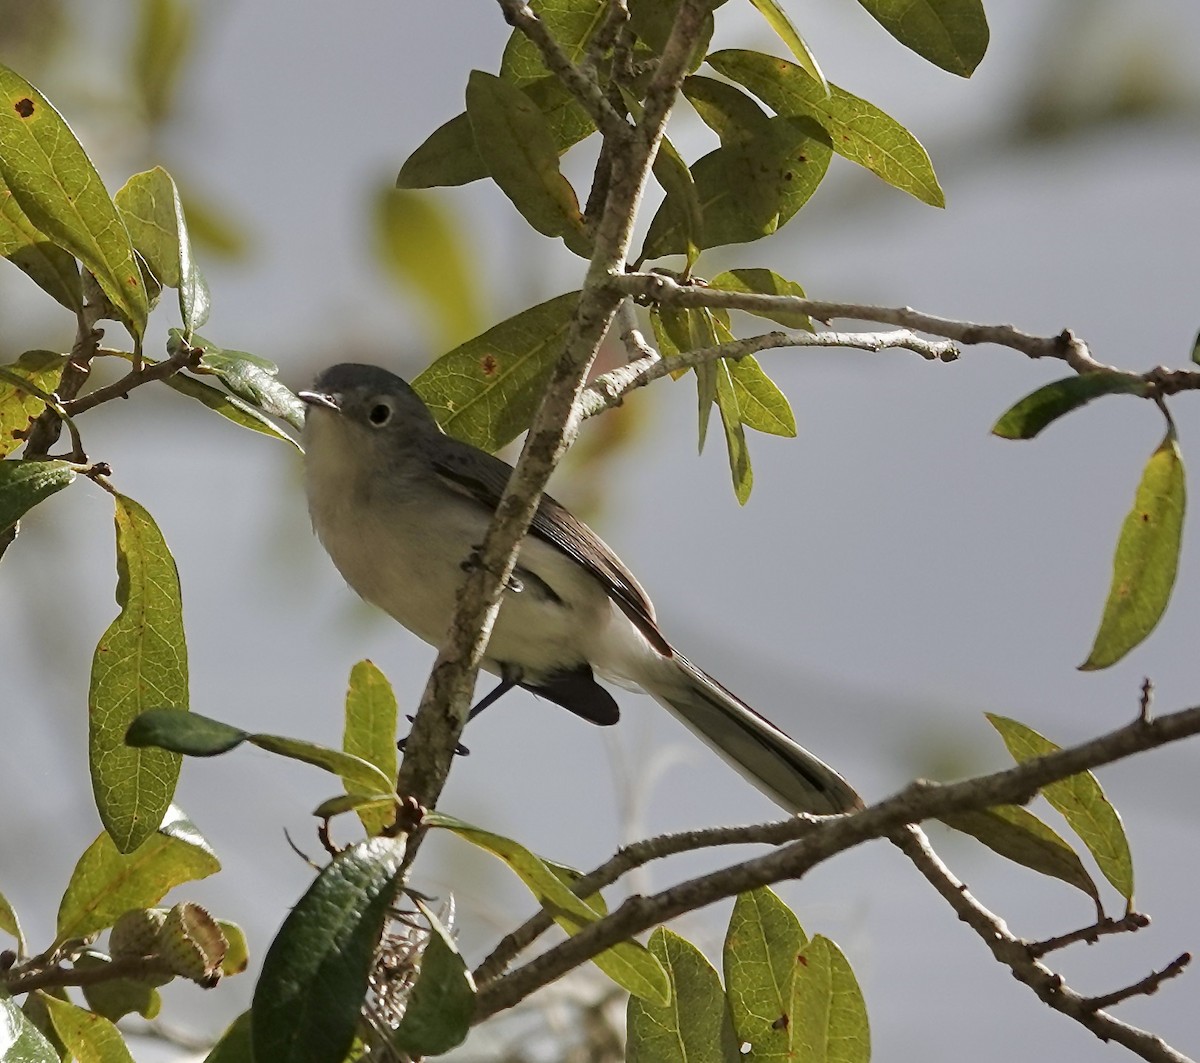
[{"x": 401, "y": 508}]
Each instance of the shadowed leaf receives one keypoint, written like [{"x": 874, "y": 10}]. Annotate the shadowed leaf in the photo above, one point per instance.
[
  {"x": 50, "y": 267},
  {"x": 23, "y": 484},
  {"x": 952, "y": 34},
  {"x": 438, "y": 1014},
  {"x": 778, "y": 20},
  {"x": 1026, "y": 418}
]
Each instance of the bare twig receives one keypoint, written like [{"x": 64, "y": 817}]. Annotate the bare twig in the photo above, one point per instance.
[
  {"x": 27, "y": 978},
  {"x": 1014, "y": 954},
  {"x": 1143, "y": 988},
  {"x": 1129, "y": 923},
  {"x": 144, "y": 373}
]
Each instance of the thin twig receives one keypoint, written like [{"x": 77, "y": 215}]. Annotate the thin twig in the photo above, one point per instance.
[
  {"x": 1128, "y": 924},
  {"x": 1143, "y": 988}
]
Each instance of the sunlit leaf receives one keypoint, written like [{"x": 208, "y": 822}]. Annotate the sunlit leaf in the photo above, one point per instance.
[
  {"x": 10, "y": 924},
  {"x": 370, "y": 733},
  {"x": 253, "y": 379},
  {"x": 828, "y": 1017},
  {"x": 90, "y": 1037},
  {"x": 761, "y": 405},
  {"x": 570, "y": 22},
  {"x": 725, "y": 109},
  {"x": 23, "y": 484},
  {"x": 764, "y": 282},
  {"x": 1146, "y": 559},
  {"x": 50, "y": 267},
  {"x": 952, "y": 34},
  {"x": 18, "y": 407},
  {"x": 20, "y": 1040},
  {"x": 1026, "y": 418},
  {"x": 228, "y": 406},
  {"x": 778, "y": 20}
]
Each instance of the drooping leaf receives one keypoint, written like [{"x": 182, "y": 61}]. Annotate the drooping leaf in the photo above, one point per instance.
[
  {"x": 761, "y": 405},
  {"x": 735, "y": 437},
  {"x": 58, "y": 188},
  {"x": 314, "y": 976},
  {"x": 486, "y": 390},
  {"x": 17, "y": 406},
  {"x": 828, "y": 1017},
  {"x": 23, "y": 484},
  {"x": 725, "y": 109},
  {"x": 228, "y": 406},
  {"x": 515, "y": 142},
  {"x": 423, "y": 247},
  {"x": 571, "y": 22},
  {"x": 1035, "y": 411},
  {"x": 438, "y": 1015},
  {"x": 760, "y": 956},
  {"x": 1018, "y": 835},
  {"x": 20, "y": 1040},
  {"x": 357, "y": 773},
  {"x": 90, "y": 1037},
  {"x": 764, "y": 282},
  {"x": 1146, "y": 559},
  {"x": 695, "y": 1026},
  {"x": 370, "y": 733},
  {"x": 778, "y": 20},
  {"x": 46, "y": 264},
  {"x": 1081, "y": 801},
  {"x": 676, "y": 180},
  {"x": 153, "y": 213},
  {"x": 253, "y": 379},
  {"x": 139, "y": 663},
  {"x": 106, "y": 883},
  {"x": 952, "y": 34},
  {"x": 746, "y": 190},
  {"x": 857, "y": 130},
  {"x": 628, "y": 964}
]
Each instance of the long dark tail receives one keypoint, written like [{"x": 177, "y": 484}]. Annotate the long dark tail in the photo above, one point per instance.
[{"x": 781, "y": 768}]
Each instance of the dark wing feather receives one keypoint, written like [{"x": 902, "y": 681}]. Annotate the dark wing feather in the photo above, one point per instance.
[{"x": 484, "y": 477}]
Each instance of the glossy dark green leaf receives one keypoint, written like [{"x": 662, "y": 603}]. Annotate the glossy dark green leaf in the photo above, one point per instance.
[
  {"x": 228, "y": 406},
  {"x": 20, "y": 1040},
  {"x": 449, "y": 156},
  {"x": 760, "y": 956},
  {"x": 486, "y": 390},
  {"x": 1035, "y": 411},
  {"x": 234, "y": 1045},
  {"x": 139, "y": 663},
  {"x": 1146, "y": 559},
  {"x": 858, "y": 130},
  {"x": 370, "y": 733},
  {"x": 153, "y": 213},
  {"x": 253, "y": 379},
  {"x": 729, "y": 112},
  {"x": 58, "y": 188},
  {"x": 764, "y": 282},
  {"x": 761, "y": 405},
  {"x": 10, "y": 924},
  {"x": 747, "y": 190},
  {"x": 114, "y": 998},
  {"x": 18, "y": 407},
  {"x": 778, "y": 20},
  {"x": 695, "y": 1026},
  {"x": 314, "y": 976},
  {"x": 47, "y": 264},
  {"x": 438, "y": 1015},
  {"x": 1081, "y": 801},
  {"x": 161, "y": 42},
  {"x": 1018, "y": 835},
  {"x": 628, "y": 964},
  {"x": 515, "y": 142},
  {"x": 952, "y": 34},
  {"x": 106, "y": 883},
  {"x": 23, "y": 484},
  {"x": 827, "y": 1017},
  {"x": 188, "y": 733},
  {"x": 423, "y": 246},
  {"x": 571, "y": 22}
]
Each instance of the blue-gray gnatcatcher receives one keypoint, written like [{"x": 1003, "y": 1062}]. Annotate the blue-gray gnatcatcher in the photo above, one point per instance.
[{"x": 400, "y": 506}]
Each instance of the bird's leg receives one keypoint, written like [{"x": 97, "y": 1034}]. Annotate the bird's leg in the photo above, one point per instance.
[{"x": 510, "y": 676}]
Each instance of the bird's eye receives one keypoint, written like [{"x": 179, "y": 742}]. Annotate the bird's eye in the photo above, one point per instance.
[{"x": 380, "y": 414}]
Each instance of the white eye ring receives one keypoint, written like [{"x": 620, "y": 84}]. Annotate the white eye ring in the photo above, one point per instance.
[{"x": 380, "y": 413}]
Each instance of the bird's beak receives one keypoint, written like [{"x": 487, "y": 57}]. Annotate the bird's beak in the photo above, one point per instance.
[{"x": 318, "y": 398}]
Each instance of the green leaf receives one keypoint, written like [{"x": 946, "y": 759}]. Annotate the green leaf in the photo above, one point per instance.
[
  {"x": 761, "y": 405},
  {"x": 1081, "y": 801},
  {"x": 314, "y": 976},
  {"x": 746, "y": 190},
  {"x": 228, "y": 406},
  {"x": 90, "y": 1037},
  {"x": 234, "y": 1045},
  {"x": 106, "y": 883},
  {"x": 58, "y": 188},
  {"x": 237, "y": 953},
  {"x": 725, "y": 109},
  {"x": 23, "y": 484},
  {"x": 47, "y": 264},
  {"x": 1018, "y": 835},
  {"x": 778, "y": 20},
  {"x": 438, "y": 1015},
  {"x": 628, "y": 964},
  {"x": 571, "y": 22},
  {"x": 515, "y": 142},
  {"x": 18, "y": 407},
  {"x": 423, "y": 247},
  {"x": 151, "y": 209},
  {"x": 1146, "y": 559},
  {"x": 652, "y": 22},
  {"x": 764, "y": 282},
  {"x": 10, "y": 924},
  {"x": 952, "y": 34},
  {"x": 161, "y": 43},
  {"x": 674, "y": 177},
  {"x": 114, "y": 998},
  {"x": 253, "y": 379},
  {"x": 858, "y": 130},
  {"x": 1035, "y": 411},
  {"x": 735, "y": 438},
  {"x": 486, "y": 390},
  {"x": 695, "y": 1026},
  {"x": 1196, "y": 349},
  {"x": 140, "y": 662},
  {"x": 20, "y": 1040},
  {"x": 370, "y": 733},
  {"x": 828, "y": 1018},
  {"x": 335, "y": 806},
  {"x": 760, "y": 954},
  {"x": 358, "y": 774}
]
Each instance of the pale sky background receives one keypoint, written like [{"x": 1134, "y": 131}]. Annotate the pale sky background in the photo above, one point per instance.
[{"x": 897, "y": 572}]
